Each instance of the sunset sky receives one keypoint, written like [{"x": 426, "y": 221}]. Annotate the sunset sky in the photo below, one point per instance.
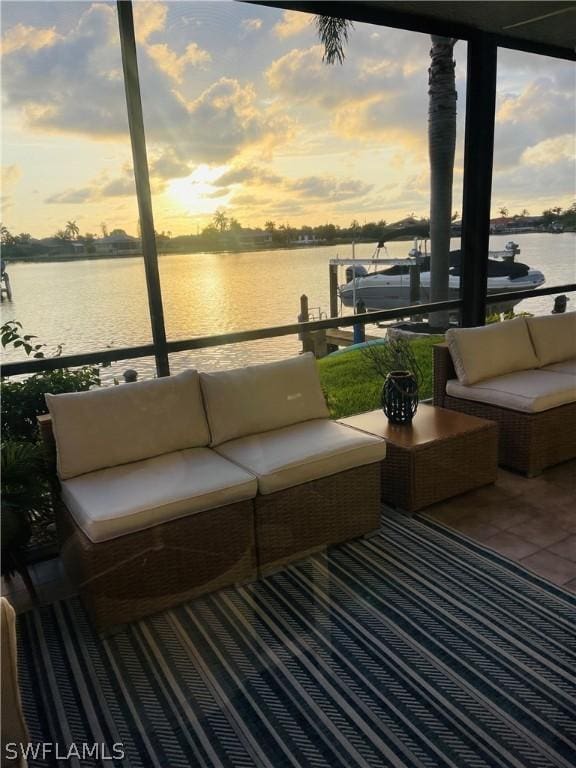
[{"x": 241, "y": 114}]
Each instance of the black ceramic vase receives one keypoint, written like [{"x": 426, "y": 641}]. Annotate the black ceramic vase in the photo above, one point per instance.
[{"x": 400, "y": 397}]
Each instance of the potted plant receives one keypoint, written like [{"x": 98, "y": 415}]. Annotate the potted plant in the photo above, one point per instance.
[
  {"x": 396, "y": 363},
  {"x": 24, "y": 497}
]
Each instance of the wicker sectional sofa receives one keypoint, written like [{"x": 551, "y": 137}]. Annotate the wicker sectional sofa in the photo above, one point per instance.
[
  {"x": 522, "y": 374},
  {"x": 171, "y": 488}
]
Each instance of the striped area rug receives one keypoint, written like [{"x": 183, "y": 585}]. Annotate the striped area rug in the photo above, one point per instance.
[{"x": 415, "y": 648}]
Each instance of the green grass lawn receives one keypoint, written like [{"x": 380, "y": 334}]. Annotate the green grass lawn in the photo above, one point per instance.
[{"x": 352, "y": 386}]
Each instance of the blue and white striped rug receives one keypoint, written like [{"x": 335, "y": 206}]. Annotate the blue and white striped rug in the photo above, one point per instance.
[{"x": 415, "y": 648}]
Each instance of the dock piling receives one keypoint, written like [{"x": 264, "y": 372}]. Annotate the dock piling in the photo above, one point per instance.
[
  {"x": 359, "y": 330},
  {"x": 304, "y": 317}
]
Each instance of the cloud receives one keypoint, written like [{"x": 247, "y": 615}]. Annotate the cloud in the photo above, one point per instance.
[
  {"x": 11, "y": 174},
  {"x": 302, "y": 76},
  {"x": 226, "y": 119},
  {"x": 83, "y": 195},
  {"x": 21, "y": 37},
  {"x": 366, "y": 99},
  {"x": 10, "y": 177},
  {"x": 251, "y": 25},
  {"x": 99, "y": 188},
  {"x": 551, "y": 151},
  {"x": 329, "y": 188},
  {"x": 119, "y": 187},
  {"x": 149, "y": 17},
  {"x": 537, "y": 113},
  {"x": 292, "y": 23},
  {"x": 163, "y": 167},
  {"x": 245, "y": 173},
  {"x": 169, "y": 166},
  {"x": 520, "y": 186},
  {"x": 75, "y": 83},
  {"x": 245, "y": 199},
  {"x": 296, "y": 195},
  {"x": 75, "y": 86},
  {"x": 172, "y": 64}
]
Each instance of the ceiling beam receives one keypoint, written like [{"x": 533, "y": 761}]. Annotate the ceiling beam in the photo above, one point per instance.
[{"x": 382, "y": 15}]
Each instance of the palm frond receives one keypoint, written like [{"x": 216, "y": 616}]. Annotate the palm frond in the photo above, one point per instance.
[{"x": 333, "y": 34}]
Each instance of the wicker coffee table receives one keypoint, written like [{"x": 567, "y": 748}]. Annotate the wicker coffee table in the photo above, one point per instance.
[{"x": 441, "y": 454}]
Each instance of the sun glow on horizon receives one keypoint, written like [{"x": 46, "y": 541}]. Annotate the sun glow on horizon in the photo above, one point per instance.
[{"x": 194, "y": 194}]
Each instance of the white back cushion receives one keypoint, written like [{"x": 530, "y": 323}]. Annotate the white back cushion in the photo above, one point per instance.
[
  {"x": 260, "y": 398},
  {"x": 491, "y": 350},
  {"x": 116, "y": 425},
  {"x": 554, "y": 337}
]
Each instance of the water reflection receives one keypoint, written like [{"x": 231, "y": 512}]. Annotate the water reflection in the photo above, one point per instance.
[{"x": 89, "y": 306}]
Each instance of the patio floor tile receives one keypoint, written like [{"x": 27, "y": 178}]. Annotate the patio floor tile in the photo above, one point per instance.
[
  {"x": 476, "y": 527},
  {"x": 565, "y": 548},
  {"x": 539, "y": 530},
  {"x": 511, "y": 546},
  {"x": 553, "y": 567}
]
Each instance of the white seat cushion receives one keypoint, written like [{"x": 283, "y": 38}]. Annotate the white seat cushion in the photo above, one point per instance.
[
  {"x": 303, "y": 452},
  {"x": 554, "y": 337},
  {"x": 259, "y": 398},
  {"x": 491, "y": 350},
  {"x": 113, "y": 502},
  {"x": 109, "y": 426},
  {"x": 568, "y": 366},
  {"x": 527, "y": 391}
]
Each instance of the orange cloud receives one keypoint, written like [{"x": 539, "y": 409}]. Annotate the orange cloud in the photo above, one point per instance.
[
  {"x": 174, "y": 65},
  {"x": 149, "y": 17},
  {"x": 292, "y": 23},
  {"x": 550, "y": 150},
  {"x": 33, "y": 38}
]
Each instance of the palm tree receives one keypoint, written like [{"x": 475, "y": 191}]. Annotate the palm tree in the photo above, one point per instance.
[
  {"x": 333, "y": 34},
  {"x": 5, "y": 237},
  {"x": 441, "y": 151},
  {"x": 220, "y": 220},
  {"x": 503, "y": 211},
  {"x": 72, "y": 230}
]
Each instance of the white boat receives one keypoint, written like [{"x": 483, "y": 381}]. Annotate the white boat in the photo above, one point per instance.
[{"x": 390, "y": 288}]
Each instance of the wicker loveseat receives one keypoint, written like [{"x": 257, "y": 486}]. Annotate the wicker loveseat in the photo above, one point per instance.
[
  {"x": 174, "y": 487},
  {"x": 522, "y": 374}
]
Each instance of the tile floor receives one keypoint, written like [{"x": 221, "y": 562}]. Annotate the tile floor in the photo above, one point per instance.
[{"x": 532, "y": 521}]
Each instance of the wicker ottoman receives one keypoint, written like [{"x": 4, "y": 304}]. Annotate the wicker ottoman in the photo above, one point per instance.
[{"x": 441, "y": 454}]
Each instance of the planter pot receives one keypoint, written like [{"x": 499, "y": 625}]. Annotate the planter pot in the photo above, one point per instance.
[{"x": 400, "y": 397}]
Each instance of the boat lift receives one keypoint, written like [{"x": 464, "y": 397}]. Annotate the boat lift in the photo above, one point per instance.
[
  {"x": 413, "y": 262},
  {"x": 5, "y": 287}
]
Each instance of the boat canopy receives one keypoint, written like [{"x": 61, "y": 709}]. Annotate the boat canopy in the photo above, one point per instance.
[
  {"x": 406, "y": 229},
  {"x": 512, "y": 269}
]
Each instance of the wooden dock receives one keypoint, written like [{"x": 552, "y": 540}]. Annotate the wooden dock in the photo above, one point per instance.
[{"x": 341, "y": 338}]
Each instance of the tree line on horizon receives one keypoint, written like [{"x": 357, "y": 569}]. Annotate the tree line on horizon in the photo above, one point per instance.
[{"x": 228, "y": 228}]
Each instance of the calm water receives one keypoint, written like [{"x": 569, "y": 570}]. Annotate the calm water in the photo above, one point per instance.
[{"x": 87, "y": 306}]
